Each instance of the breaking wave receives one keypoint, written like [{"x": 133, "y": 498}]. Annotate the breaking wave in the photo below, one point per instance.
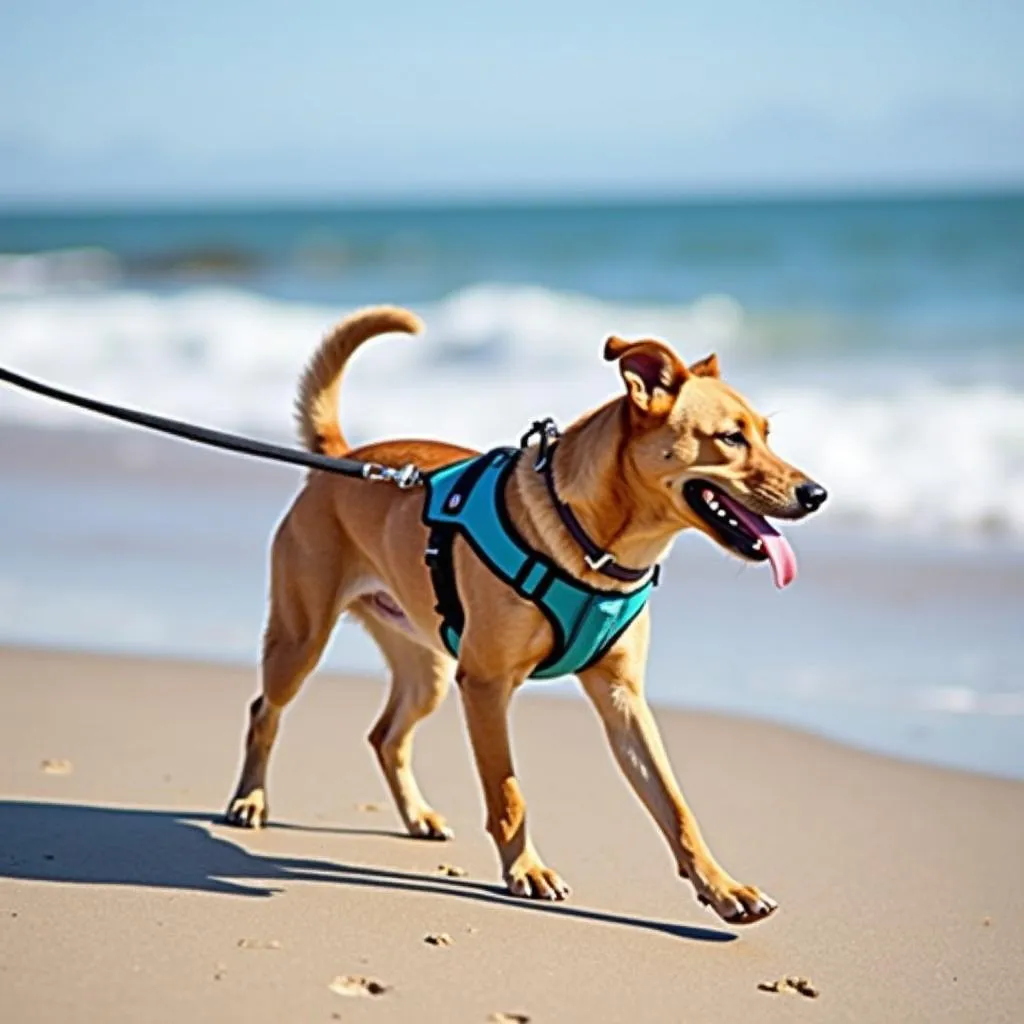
[{"x": 923, "y": 454}]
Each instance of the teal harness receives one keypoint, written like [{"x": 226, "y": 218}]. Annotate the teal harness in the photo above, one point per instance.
[{"x": 467, "y": 498}]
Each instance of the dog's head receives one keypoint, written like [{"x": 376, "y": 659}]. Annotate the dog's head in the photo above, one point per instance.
[{"x": 698, "y": 442}]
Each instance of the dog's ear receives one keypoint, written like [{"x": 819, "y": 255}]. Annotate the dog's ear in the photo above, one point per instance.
[
  {"x": 652, "y": 371},
  {"x": 707, "y": 367}
]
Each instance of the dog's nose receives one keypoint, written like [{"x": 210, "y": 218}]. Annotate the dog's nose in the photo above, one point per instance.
[{"x": 811, "y": 496}]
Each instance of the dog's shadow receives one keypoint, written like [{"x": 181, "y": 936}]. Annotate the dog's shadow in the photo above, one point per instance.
[{"x": 89, "y": 845}]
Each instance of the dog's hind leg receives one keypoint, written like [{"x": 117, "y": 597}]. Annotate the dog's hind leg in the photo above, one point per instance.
[
  {"x": 306, "y": 598},
  {"x": 419, "y": 682}
]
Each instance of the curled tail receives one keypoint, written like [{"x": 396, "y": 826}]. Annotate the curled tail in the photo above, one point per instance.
[{"x": 316, "y": 405}]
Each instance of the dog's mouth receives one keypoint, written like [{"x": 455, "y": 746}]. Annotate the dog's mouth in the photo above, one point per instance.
[{"x": 741, "y": 531}]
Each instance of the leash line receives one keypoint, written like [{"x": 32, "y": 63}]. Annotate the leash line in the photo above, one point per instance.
[{"x": 404, "y": 476}]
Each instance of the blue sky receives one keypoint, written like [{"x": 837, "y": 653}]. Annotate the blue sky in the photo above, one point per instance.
[{"x": 184, "y": 99}]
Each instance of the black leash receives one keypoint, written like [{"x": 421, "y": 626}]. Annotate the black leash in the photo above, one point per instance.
[{"x": 404, "y": 476}]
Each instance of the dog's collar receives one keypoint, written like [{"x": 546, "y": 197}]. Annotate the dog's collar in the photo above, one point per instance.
[{"x": 596, "y": 558}]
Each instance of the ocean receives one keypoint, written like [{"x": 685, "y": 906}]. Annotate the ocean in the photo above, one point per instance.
[{"x": 884, "y": 336}]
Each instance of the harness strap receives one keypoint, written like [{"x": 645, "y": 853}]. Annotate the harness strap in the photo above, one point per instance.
[
  {"x": 440, "y": 562},
  {"x": 534, "y": 579},
  {"x": 598, "y": 559}
]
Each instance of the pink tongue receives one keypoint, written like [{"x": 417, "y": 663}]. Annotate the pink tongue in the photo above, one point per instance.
[{"x": 781, "y": 556}]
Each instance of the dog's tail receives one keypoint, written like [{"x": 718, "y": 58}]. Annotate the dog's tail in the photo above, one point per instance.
[{"x": 316, "y": 405}]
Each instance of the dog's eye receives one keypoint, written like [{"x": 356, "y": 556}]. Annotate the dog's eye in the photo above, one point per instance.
[{"x": 735, "y": 438}]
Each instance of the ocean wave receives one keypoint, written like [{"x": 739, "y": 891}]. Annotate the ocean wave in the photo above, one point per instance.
[
  {"x": 921, "y": 455},
  {"x": 38, "y": 273}
]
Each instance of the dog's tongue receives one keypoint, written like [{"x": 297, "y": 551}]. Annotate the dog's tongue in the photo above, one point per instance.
[{"x": 781, "y": 556}]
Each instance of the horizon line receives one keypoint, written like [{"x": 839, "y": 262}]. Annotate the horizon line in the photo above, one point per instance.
[{"x": 427, "y": 200}]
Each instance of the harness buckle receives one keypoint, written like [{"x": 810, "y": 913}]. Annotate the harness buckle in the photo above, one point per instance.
[{"x": 597, "y": 564}]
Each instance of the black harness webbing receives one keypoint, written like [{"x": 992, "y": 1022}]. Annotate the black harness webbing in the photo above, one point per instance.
[
  {"x": 441, "y": 563},
  {"x": 440, "y": 557}
]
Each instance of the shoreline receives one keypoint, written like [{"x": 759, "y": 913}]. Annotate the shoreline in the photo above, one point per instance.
[
  {"x": 123, "y": 898},
  {"x": 562, "y": 691}
]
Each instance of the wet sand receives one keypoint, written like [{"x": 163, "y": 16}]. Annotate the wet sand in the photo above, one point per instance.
[{"x": 123, "y": 899}]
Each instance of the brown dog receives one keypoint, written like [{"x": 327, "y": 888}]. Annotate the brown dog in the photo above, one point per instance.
[{"x": 679, "y": 450}]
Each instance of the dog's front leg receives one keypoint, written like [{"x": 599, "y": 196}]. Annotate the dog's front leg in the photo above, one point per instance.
[
  {"x": 486, "y": 708},
  {"x": 638, "y": 748}
]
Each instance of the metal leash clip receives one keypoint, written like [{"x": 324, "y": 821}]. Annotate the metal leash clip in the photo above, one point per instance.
[{"x": 404, "y": 477}]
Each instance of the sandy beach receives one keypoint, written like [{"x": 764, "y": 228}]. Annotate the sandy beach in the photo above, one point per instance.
[{"x": 123, "y": 899}]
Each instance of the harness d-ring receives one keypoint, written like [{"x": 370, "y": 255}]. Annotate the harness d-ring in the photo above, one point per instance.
[{"x": 547, "y": 432}]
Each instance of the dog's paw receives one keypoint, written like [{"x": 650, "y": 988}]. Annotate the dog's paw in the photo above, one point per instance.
[
  {"x": 735, "y": 903},
  {"x": 530, "y": 879},
  {"x": 429, "y": 825},
  {"x": 248, "y": 811}
]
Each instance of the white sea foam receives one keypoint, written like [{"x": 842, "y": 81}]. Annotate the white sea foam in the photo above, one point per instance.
[
  {"x": 37, "y": 273},
  {"x": 923, "y": 456}
]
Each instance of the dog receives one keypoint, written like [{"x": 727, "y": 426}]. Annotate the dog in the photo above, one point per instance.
[{"x": 677, "y": 449}]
